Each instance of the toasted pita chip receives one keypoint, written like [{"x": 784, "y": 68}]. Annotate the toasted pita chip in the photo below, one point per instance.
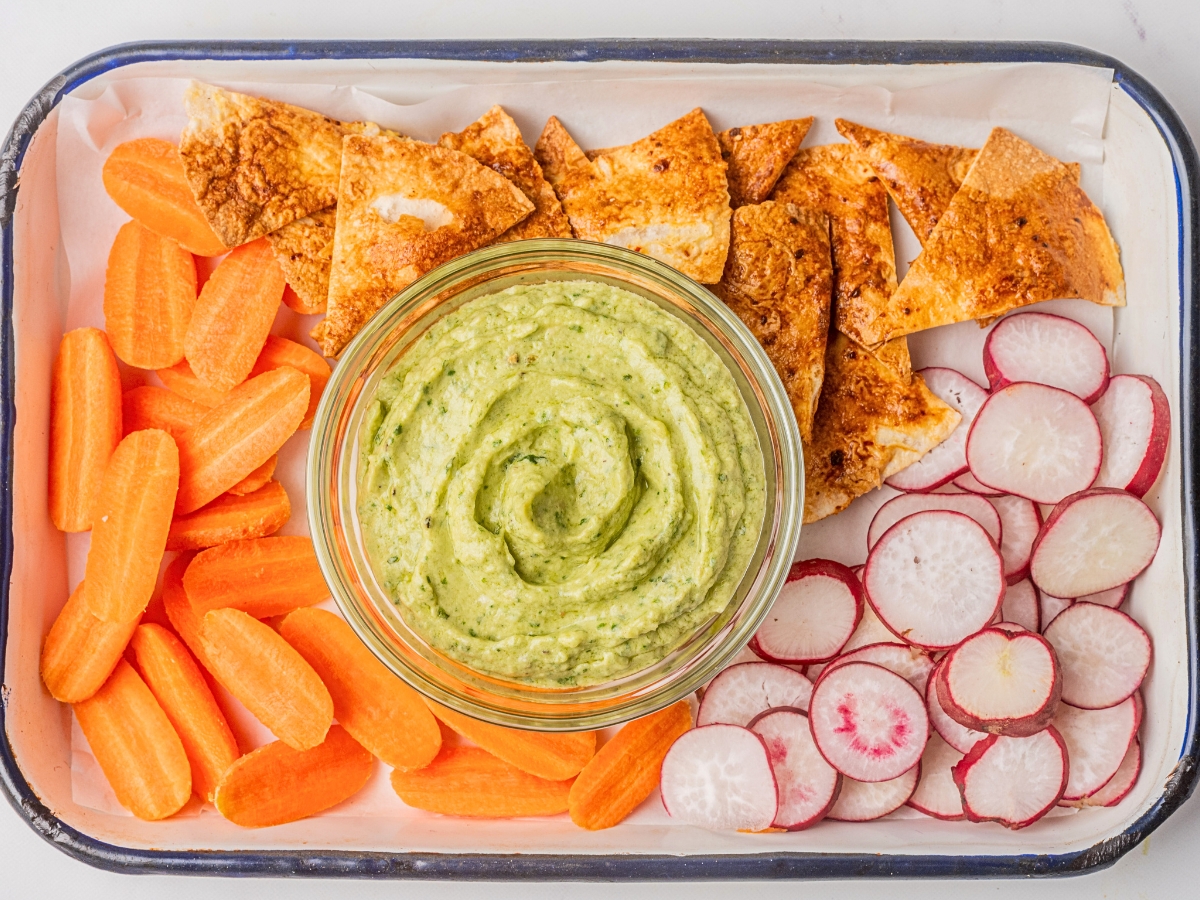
[
  {"x": 779, "y": 280},
  {"x": 495, "y": 140},
  {"x": 757, "y": 155},
  {"x": 405, "y": 207},
  {"x": 1020, "y": 230},
  {"x": 304, "y": 250},
  {"x": 834, "y": 180},
  {"x": 664, "y": 195},
  {"x": 870, "y": 424}
]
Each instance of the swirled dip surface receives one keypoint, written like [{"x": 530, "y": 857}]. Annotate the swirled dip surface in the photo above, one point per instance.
[{"x": 559, "y": 484}]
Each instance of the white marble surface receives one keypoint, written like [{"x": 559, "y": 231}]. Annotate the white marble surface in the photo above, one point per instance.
[{"x": 1158, "y": 39}]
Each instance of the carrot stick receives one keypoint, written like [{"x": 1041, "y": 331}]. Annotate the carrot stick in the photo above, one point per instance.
[
  {"x": 469, "y": 781},
  {"x": 379, "y": 710},
  {"x": 277, "y": 784},
  {"x": 256, "y": 479},
  {"x": 184, "y": 619},
  {"x": 145, "y": 178},
  {"x": 263, "y": 577},
  {"x": 132, "y": 518},
  {"x": 232, "y": 518},
  {"x": 85, "y": 425},
  {"x": 149, "y": 292},
  {"x": 181, "y": 380},
  {"x": 279, "y": 351},
  {"x": 625, "y": 770},
  {"x": 81, "y": 651},
  {"x": 271, "y": 679},
  {"x": 551, "y": 756},
  {"x": 136, "y": 746},
  {"x": 152, "y": 407},
  {"x": 233, "y": 315},
  {"x": 237, "y": 437}
]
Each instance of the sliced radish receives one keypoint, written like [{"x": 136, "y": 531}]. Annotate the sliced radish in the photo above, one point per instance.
[
  {"x": 1049, "y": 607},
  {"x": 869, "y": 723},
  {"x": 869, "y": 631},
  {"x": 905, "y": 505},
  {"x": 1104, "y": 654},
  {"x": 1020, "y": 605},
  {"x": 954, "y": 733},
  {"x": 813, "y": 616},
  {"x": 1049, "y": 350},
  {"x": 936, "y": 794},
  {"x": 743, "y": 691},
  {"x": 1135, "y": 422},
  {"x": 1001, "y": 683},
  {"x": 972, "y": 485},
  {"x": 1010, "y": 628},
  {"x": 1013, "y": 780},
  {"x": 934, "y": 578},
  {"x": 1119, "y": 786},
  {"x": 806, "y": 784},
  {"x": 948, "y": 459},
  {"x": 1093, "y": 541},
  {"x": 1021, "y": 520},
  {"x": 1113, "y": 598},
  {"x": 1037, "y": 442},
  {"x": 719, "y": 777},
  {"x": 862, "y": 801},
  {"x": 1097, "y": 740},
  {"x": 910, "y": 663}
]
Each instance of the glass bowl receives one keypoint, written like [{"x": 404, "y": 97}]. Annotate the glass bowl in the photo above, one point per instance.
[{"x": 333, "y": 472}]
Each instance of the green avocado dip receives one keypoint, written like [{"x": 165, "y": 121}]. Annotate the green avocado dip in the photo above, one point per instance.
[{"x": 559, "y": 484}]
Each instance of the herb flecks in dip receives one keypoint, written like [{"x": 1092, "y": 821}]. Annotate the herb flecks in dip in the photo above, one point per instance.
[{"x": 559, "y": 484}]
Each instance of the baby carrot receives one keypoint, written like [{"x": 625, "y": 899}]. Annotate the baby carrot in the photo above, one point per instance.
[
  {"x": 152, "y": 407},
  {"x": 149, "y": 291},
  {"x": 263, "y": 577},
  {"x": 469, "y": 781},
  {"x": 256, "y": 479},
  {"x": 85, "y": 424},
  {"x": 81, "y": 651},
  {"x": 233, "y": 315},
  {"x": 277, "y": 784},
  {"x": 232, "y": 518},
  {"x": 181, "y": 380},
  {"x": 271, "y": 679},
  {"x": 379, "y": 710},
  {"x": 136, "y": 746},
  {"x": 237, "y": 437},
  {"x": 132, "y": 518},
  {"x": 279, "y": 351},
  {"x": 145, "y": 178},
  {"x": 184, "y": 619}
]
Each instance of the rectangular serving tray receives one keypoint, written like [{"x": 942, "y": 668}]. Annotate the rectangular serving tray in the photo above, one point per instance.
[{"x": 501, "y": 862}]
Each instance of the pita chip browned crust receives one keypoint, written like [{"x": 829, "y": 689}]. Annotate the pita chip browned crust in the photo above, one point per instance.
[
  {"x": 1020, "y": 230},
  {"x": 664, "y": 195},
  {"x": 871, "y": 422},
  {"x": 779, "y": 280},
  {"x": 757, "y": 155},
  {"x": 495, "y": 140},
  {"x": 304, "y": 250},
  {"x": 405, "y": 207}
]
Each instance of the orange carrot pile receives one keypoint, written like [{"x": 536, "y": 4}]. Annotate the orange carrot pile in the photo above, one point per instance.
[
  {"x": 232, "y": 518},
  {"x": 257, "y": 478},
  {"x": 263, "y": 577},
  {"x": 469, "y": 781},
  {"x": 81, "y": 651},
  {"x": 181, "y": 380},
  {"x": 279, "y": 351},
  {"x": 152, "y": 407}
]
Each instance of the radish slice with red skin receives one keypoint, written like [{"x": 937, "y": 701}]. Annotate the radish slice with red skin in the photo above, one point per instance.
[
  {"x": 743, "y": 691},
  {"x": 1010, "y": 628},
  {"x": 806, "y": 784},
  {"x": 814, "y": 615},
  {"x": 862, "y": 801},
  {"x": 1050, "y": 607},
  {"x": 1037, "y": 442},
  {"x": 869, "y": 724},
  {"x": 1093, "y": 541},
  {"x": 719, "y": 777},
  {"x": 1047, "y": 349},
  {"x": 948, "y": 459},
  {"x": 1104, "y": 654},
  {"x": 1113, "y": 598},
  {"x": 1135, "y": 423},
  {"x": 972, "y": 485},
  {"x": 1119, "y": 786},
  {"x": 1020, "y": 520},
  {"x": 906, "y": 504},
  {"x": 935, "y": 578},
  {"x": 870, "y": 631},
  {"x": 910, "y": 663},
  {"x": 1097, "y": 741},
  {"x": 936, "y": 794},
  {"x": 1013, "y": 780},
  {"x": 957, "y": 735},
  {"x": 1020, "y": 605},
  {"x": 1001, "y": 682}
]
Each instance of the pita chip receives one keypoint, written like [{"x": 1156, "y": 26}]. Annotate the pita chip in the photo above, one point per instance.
[
  {"x": 404, "y": 208},
  {"x": 871, "y": 422},
  {"x": 304, "y": 250},
  {"x": 495, "y": 141},
  {"x": 664, "y": 195},
  {"x": 1020, "y": 230},
  {"x": 779, "y": 280},
  {"x": 757, "y": 155}
]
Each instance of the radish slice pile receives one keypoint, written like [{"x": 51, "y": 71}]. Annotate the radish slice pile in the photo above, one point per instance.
[
  {"x": 814, "y": 615},
  {"x": 1046, "y": 349},
  {"x": 949, "y": 458}
]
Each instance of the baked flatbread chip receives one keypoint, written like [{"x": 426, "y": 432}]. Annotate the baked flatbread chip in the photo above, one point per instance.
[
  {"x": 405, "y": 207},
  {"x": 834, "y": 180},
  {"x": 757, "y": 155},
  {"x": 871, "y": 422},
  {"x": 304, "y": 250},
  {"x": 1020, "y": 230},
  {"x": 495, "y": 140},
  {"x": 664, "y": 195},
  {"x": 779, "y": 280}
]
